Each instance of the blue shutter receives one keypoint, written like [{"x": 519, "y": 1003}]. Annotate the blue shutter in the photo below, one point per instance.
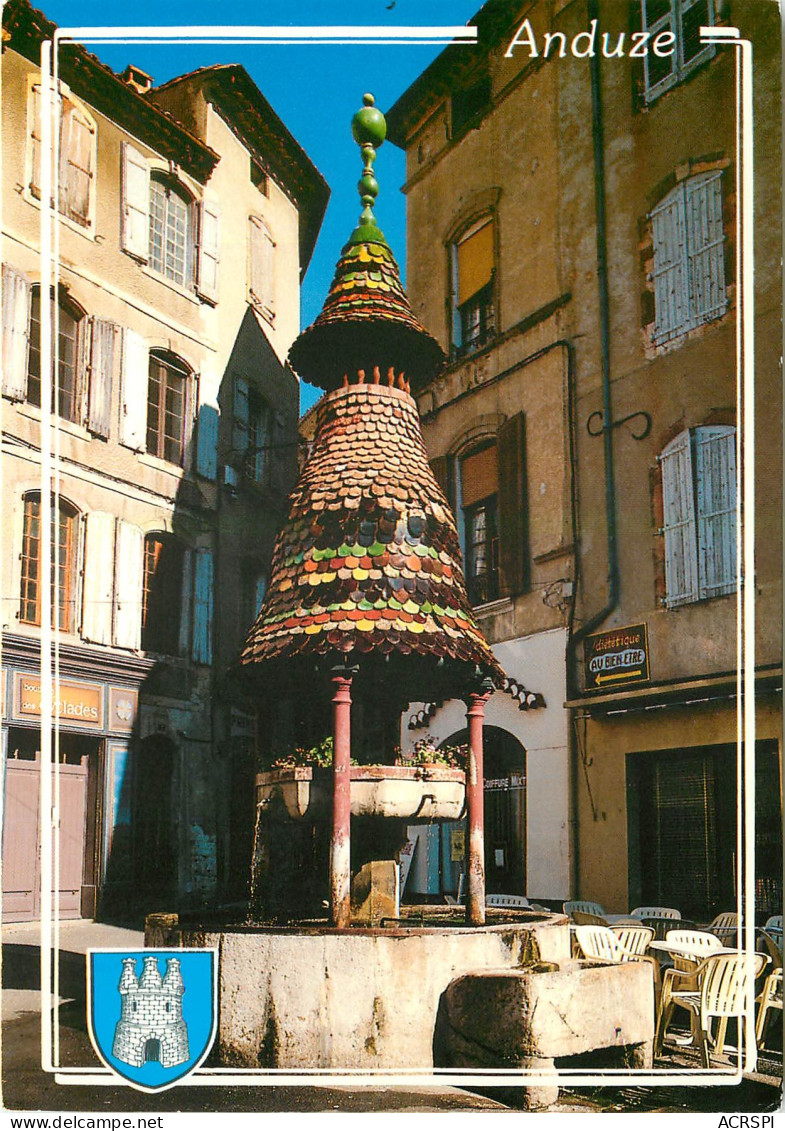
[
  {"x": 207, "y": 442},
  {"x": 705, "y": 248},
  {"x": 715, "y": 472},
  {"x": 202, "y": 639},
  {"x": 678, "y": 501}
]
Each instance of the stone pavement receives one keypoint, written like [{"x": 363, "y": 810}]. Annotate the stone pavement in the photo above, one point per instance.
[{"x": 27, "y": 1087}]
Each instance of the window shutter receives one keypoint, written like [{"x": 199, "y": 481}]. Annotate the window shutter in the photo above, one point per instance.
[
  {"x": 513, "y": 507},
  {"x": 239, "y": 416},
  {"x": 715, "y": 473},
  {"x": 475, "y": 261},
  {"x": 136, "y": 203},
  {"x": 260, "y": 589},
  {"x": 106, "y": 345},
  {"x": 202, "y": 641},
  {"x": 262, "y": 280},
  {"x": 186, "y": 608},
  {"x": 16, "y": 330},
  {"x": 207, "y": 442},
  {"x": 98, "y": 587},
  {"x": 76, "y": 147},
  {"x": 135, "y": 380},
  {"x": 671, "y": 298},
  {"x": 35, "y": 140},
  {"x": 705, "y": 247},
  {"x": 128, "y": 588},
  {"x": 678, "y": 504},
  {"x": 209, "y": 245}
]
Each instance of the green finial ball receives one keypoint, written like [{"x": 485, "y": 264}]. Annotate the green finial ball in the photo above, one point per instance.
[{"x": 368, "y": 124}]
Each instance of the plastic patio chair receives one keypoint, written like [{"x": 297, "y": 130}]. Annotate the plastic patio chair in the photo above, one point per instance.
[
  {"x": 509, "y": 901},
  {"x": 660, "y": 918},
  {"x": 596, "y": 941},
  {"x": 634, "y": 939},
  {"x": 770, "y": 996},
  {"x": 720, "y": 991},
  {"x": 584, "y": 906},
  {"x": 724, "y": 926},
  {"x": 584, "y": 919}
]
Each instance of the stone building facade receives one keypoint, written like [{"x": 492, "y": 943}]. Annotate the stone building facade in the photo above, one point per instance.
[
  {"x": 187, "y": 215},
  {"x": 572, "y": 219}
]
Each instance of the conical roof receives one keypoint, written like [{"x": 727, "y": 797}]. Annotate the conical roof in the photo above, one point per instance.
[
  {"x": 368, "y": 564},
  {"x": 366, "y": 319}
]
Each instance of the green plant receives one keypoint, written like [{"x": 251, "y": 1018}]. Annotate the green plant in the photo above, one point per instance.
[
  {"x": 319, "y": 755},
  {"x": 427, "y": 753}
]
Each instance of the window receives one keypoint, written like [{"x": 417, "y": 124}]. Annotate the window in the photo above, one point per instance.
[
  {"x": 689, "y": 260},
  {"x": 252, "y": 429},
  {"x": 486, "y": 486},
  {"x": 699, "y": 511},
  {"x": 261, "y": 266},
  {"x": 165, "y": 227},
  {"x": 473, "y": 302},
  {"x": 166, "y": 406},
  {"x": 683, "y": 19},
  {"x": 77, "y": 156},
  {"x": 170, "y": 232},
  {"x": 63, "y": 568},
  {"x": 66, "y": 396},
  {"x": 162, "y": 594}
]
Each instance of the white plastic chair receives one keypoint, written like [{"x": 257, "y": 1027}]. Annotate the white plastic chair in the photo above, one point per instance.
[
  {"x": 657, "y": 917},
  {"x": 583, "y": 906},
  {"x": 634, "y": 939},
  {"x": 773, "y": 923},
  {"x": 770, "y": 996},
  {"x": 725, "y": 926},
  {"x": 509, "y": 901},
  {"x": 600, "y": 942},
  {"x": 721, "y": 983}
]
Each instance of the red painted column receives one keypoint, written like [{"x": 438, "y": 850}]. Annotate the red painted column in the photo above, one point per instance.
[
  {"x": 340, "y": 867},
  {"x": 475, "y": 894}
]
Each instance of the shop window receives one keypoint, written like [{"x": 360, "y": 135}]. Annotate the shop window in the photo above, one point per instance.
[
  {"x": 473, "y": 298},
  {"x": 167, "y": 395},
  {"x": 162, "y": 590},
  {"x": 699, "y": 513},
  {"x": 64, "y": 560},
  {"x": 689, "y": 257},
  {"x": 683, "y": 19},
  {"x": 67, "y": 392},
  {"x": 261, "y": 267},
  {"x": 77, "y": 156}
]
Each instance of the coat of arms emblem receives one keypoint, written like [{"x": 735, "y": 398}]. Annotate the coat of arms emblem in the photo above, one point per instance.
[{"x": 152, "y": 1014}]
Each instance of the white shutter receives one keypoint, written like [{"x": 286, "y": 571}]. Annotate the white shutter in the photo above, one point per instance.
[
  {"x": 134, "y": 384},
  {"x": 34, "y": 110},
  {"x": 104, "y": 356},
  {"x": 209, "y": 247},
  {"x": 681, "y": 559},
  {"x": 202, "y": 645},
  {"x": 671, "y": 298},
  {"x": 129, "y": 565},
  {"x": 186, "y": 607},
  {"x": 16, "y": 330},
  {"x": 715, "y": 471},
  {"x": 136, "y": 203},
  {"x": 98, "y": 586},
  {"x": 76, "y": 154},
  {"x": 262, "y": 265},
  {"x": 705, "y": 247}
]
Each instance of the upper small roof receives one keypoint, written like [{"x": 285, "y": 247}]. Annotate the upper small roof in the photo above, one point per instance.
[{"x": 366, "y": 319}]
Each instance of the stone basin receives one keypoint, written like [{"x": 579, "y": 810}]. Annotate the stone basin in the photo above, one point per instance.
[{"x": 424, "y": 792}]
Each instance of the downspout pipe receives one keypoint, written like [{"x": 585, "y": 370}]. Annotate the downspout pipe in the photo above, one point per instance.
[
  {"x": 614, "y": 583},
  {"x": 614, "y": 586}
]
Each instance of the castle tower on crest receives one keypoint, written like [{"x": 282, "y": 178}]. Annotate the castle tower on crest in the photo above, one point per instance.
[{"x": 151, "y": 1025}]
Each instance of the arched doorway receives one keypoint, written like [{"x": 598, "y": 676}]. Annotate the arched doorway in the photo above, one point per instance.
[
  {"x": 152, "y": 1049},
  {"x": 504, "y": 776}
]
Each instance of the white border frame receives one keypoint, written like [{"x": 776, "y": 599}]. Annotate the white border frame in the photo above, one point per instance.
[{"x": 745, "y": 559}]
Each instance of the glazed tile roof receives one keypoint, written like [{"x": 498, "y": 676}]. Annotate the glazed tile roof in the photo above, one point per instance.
[
  {"x": 366, "y": 321},
  {"x": 369, "y": 559}
]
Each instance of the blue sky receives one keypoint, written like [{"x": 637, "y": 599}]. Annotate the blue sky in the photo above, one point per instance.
[{"x": 315, "y": 90}]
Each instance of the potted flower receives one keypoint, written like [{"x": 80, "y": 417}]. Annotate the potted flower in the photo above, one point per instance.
[{"x": 428, "y": 789}]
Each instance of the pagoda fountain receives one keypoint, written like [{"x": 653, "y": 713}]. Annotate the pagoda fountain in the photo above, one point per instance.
[{"x": 366, "y": 611}]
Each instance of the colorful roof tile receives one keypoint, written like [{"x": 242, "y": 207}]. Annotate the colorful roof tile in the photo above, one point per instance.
[{"x": 369, "y": 560}]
